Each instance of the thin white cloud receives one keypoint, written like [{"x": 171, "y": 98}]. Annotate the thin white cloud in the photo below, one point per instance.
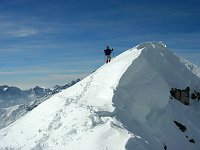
[
  {"x": 24, "y": 32},
  {"x": 15, "y": 26},
  {"x": 13, "y": 29}
]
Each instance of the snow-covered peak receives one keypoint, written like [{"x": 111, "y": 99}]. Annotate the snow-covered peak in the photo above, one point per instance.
[
  {"x": 167, "y": 64},
  {"x": 5, "y": 89},
  {"x": 125, "y": 104},
  {"x": 148, "y": 45}
]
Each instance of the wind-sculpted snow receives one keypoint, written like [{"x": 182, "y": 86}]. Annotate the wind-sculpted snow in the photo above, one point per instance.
[
  {"x": 143, "y": 102},
  {"x": 125, "y": 104}
]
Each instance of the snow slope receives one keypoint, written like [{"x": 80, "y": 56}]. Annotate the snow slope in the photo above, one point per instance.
[{"x": 123, "y": 105}]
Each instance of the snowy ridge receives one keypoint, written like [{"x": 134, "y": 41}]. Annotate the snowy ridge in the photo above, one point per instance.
[
  {"x": 123, "y": 105},
  {"x": 170, "y": 66}
]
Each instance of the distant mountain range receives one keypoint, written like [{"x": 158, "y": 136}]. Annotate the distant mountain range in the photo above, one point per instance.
[
  {"x": 11, "y": 96},
  {"x": 15, "y": 103}
]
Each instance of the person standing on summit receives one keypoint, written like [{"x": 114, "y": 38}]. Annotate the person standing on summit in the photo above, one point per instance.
[{"x": 108, "y": 52}]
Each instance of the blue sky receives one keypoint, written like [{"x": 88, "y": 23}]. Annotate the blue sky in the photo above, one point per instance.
[{"x": 49, "y": 42}]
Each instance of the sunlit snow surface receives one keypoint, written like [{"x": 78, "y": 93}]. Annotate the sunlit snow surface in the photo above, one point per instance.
[{"x": 123, "y": 105}]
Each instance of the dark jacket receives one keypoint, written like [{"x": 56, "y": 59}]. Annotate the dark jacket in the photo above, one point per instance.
[{"x": 108, "y": 51}]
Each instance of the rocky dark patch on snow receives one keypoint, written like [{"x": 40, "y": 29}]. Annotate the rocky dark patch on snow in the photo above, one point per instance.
[
  {"x": 181, "y": 126},
  {"x": 183, "y": 129},
  {"x": 181, "y": 95},
  {"x": 165, "y": 147},
  {"x": 191, "y": 141},
  {"x": 195, "y": 95}
]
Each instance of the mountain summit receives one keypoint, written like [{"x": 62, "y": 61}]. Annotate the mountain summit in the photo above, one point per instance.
[{"x": 125, "y": 104}]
